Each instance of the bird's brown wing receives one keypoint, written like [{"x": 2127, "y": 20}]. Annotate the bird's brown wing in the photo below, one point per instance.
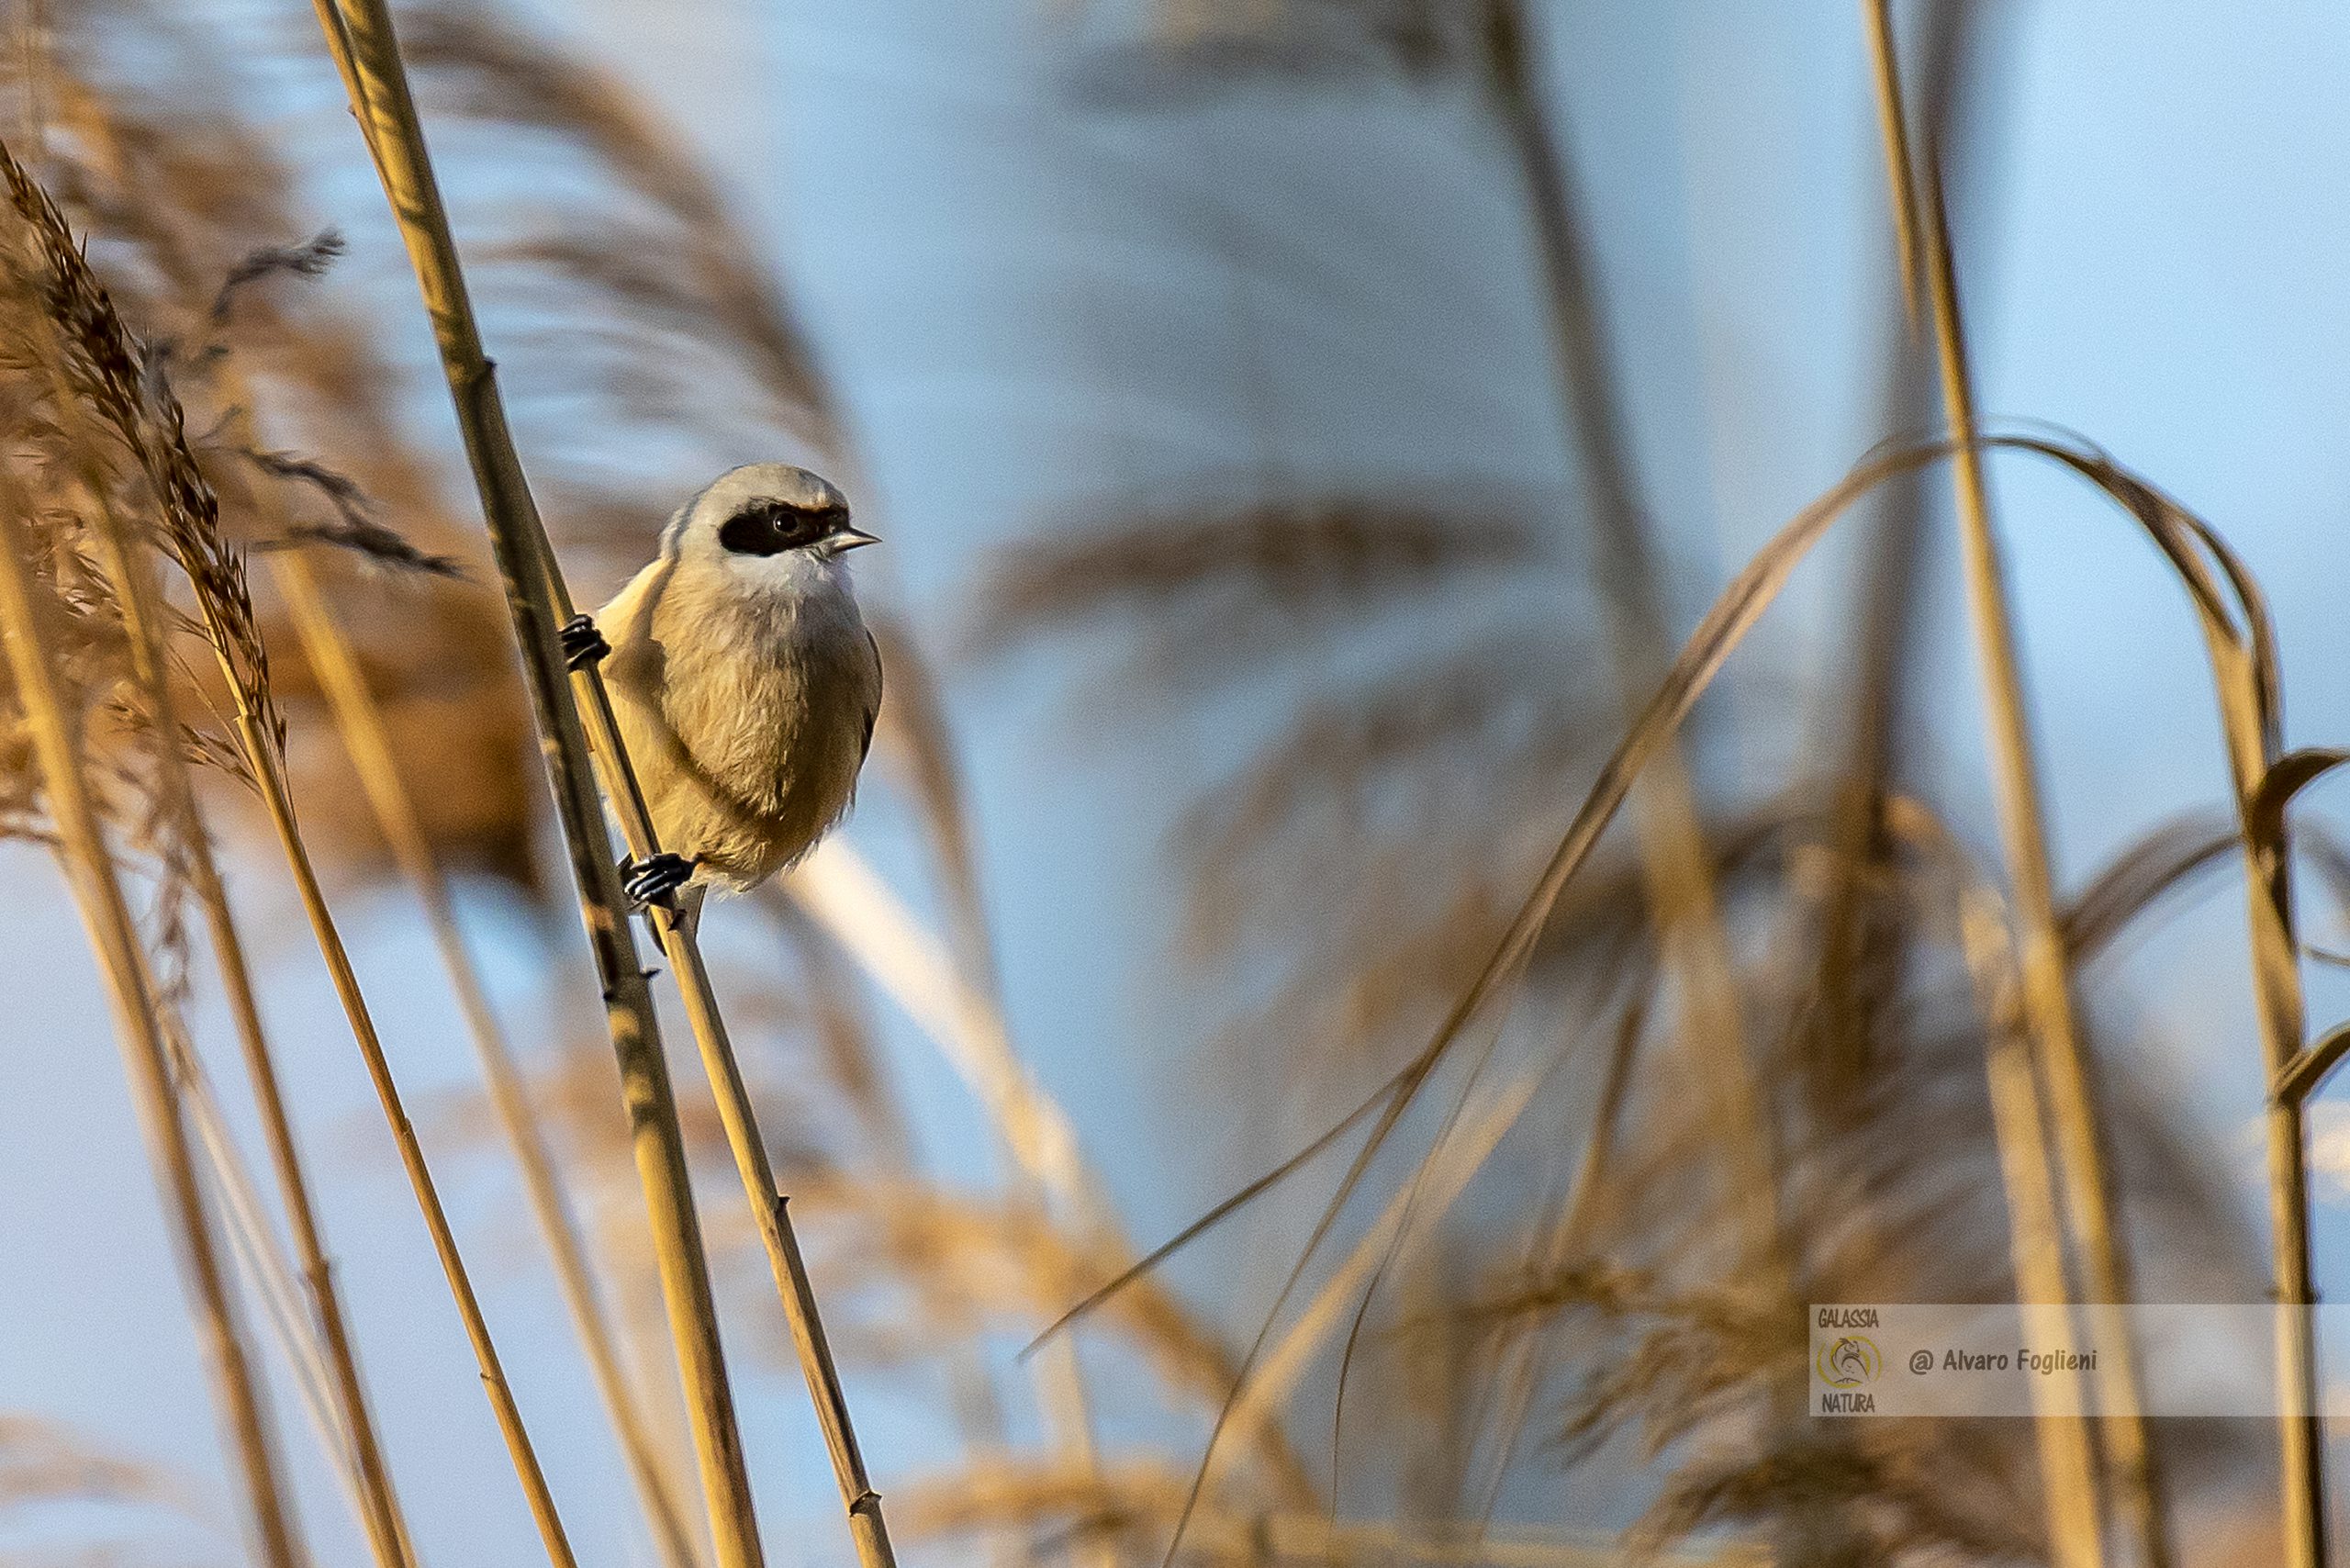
[{"x": 865, "y": 748}]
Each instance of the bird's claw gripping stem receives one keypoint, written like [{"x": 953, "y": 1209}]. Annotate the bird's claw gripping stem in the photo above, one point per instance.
[
  {"x": 656, "y": 879},
  {"x": 582, "y": 643}
]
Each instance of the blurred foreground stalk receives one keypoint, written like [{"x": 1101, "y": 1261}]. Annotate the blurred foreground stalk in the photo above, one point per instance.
[
  {"x": 360, "y": 36},
  {"x": 2035, "y": 1226},
  {"x": 1678, "y": 874},
  {"x": 107, "y": 914}
]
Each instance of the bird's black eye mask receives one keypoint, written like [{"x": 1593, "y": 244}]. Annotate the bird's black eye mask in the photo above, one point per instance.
[{"x": 769, "y": 528}]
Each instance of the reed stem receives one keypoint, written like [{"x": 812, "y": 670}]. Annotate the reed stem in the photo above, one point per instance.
[
  {"x": 780, "y": 1242},
  {"x": 2299, "y": 1380},
  {"x": 2047, "y": 999},
  {"x": 107, "y": 916},
  {"x": 2253, "y": 728},
  {"x": 1875, "y": 707},
  {"x": 359, "y": 720},
  {"x": 2036, "y": 1245},
  {"x": 360, "y": 34}
]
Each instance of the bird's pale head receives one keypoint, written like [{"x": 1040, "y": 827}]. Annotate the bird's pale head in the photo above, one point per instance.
[{"x": 767, "y": 523}]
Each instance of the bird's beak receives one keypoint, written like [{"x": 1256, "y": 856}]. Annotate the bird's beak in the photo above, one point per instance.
[{"x": 849, "y": 539}]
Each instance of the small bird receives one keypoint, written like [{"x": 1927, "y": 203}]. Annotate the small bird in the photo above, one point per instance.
[{"x": 743, "y": 679}]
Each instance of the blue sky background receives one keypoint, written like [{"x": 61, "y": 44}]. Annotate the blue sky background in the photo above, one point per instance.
[{"x": 1026, "y": 303}]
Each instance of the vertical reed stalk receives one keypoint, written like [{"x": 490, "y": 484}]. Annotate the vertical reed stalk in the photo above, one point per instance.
[
  {"x": 367, "y": 55},
  {"x": 2299, "y": 1383},
  {"x": 107, "y": 916},
  {"x": 2047, "y": 1001},
  {"x": 862, "y": 1503},
  {"x": 134, "y": 589},
  {"x": 359, "y": 720},
  {"x": 2251, "y": 727},
  {"x": 2067, "y": 1465},
  {"x": 1889, "y": 585}
]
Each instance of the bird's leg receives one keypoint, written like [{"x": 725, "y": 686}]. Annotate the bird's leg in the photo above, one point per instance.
[
  {"x": 656, "y": 879},
  {"x": 684, "y": 903},
  {"x": 582, "y": 643}
]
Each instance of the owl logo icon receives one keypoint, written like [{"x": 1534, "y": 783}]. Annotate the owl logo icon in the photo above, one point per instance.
[{"x": 1849, "y": 1361}]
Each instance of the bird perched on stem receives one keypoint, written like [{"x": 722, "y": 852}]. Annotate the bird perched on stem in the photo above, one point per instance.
[{"x": 744, "y": 679}]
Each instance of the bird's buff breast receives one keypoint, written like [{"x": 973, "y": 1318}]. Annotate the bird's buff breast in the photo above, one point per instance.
[{"x": 746, "y": 732}]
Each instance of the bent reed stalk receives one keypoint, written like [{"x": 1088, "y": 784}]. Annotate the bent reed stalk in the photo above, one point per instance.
[
  {"x": 149, "y": 424},
  {"x": 106, "y": 913},
  {"x": 2046, "y": 995},
  {"x": 360, "y": 721},
  {"x": 361, "y": 35},
  {"x": 135, "y": 594},
  {"x": 2243, "y": 650},
  {"x": 137, "y": 599}
]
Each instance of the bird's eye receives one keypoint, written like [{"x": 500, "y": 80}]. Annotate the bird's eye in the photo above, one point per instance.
[
  {"x": 764, "y": 528},
  {"x": 750, "y": 532}
]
